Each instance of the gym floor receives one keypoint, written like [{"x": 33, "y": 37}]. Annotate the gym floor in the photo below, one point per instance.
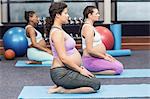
[{"x": 12, "y": 79}]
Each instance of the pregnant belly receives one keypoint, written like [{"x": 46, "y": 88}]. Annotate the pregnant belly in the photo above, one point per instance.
[
  {"x": 76, "y": 57},
  {"x": 101, "y": 48},
  {"x": 42, "y": 43}
]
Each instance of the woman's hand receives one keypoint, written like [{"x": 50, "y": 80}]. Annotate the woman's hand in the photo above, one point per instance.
[
  {"x": 49, "y": 51},
  {"x": 86, "y": 73},
  {"x": 109, "y": 58}
]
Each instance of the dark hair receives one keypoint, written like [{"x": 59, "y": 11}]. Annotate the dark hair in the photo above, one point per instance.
[
  {"x": 56, "y": 8},
  {"x": 28, "y": 14},
  {"x": 47, "y": 25},
  {"x": 88, "y": 10}
]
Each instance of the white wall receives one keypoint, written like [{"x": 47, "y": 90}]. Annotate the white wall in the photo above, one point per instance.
[
  {"x": 4, "y": 12},
  {"x": 133, "y": 11}
]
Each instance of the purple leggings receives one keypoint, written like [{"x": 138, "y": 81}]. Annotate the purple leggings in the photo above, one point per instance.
[{"x": 96, "y": 64}]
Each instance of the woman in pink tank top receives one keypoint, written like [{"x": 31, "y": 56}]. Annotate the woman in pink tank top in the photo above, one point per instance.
[{"x": 66, "y": 71}]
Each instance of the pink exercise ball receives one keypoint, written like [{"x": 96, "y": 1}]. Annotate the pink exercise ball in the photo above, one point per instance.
[{"x": 107, "y": 37}]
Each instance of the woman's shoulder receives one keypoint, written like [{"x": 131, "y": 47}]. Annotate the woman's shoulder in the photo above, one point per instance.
[
  {"x": 87, "y": 27},
  {"x": 55, "y": 32},
  {"x": 27, "y": 26}
]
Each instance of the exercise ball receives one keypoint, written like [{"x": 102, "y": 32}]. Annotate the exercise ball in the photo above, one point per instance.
[
  {"x": 15, "y": 39},
  {"x": 106, "y": 36},
  {"x": 9, "y": 54}
]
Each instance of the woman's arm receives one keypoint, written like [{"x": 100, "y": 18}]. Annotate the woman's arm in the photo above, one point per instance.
[
  {"x": 88, "y": 33},
  {"x": 32, "y": 35}
]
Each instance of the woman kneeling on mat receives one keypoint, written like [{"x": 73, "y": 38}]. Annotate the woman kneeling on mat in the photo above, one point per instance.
[
  {"x": 66, "y": 71},
  {"x": 94, "y": 56},
  {"x": 37, "y": 52}
]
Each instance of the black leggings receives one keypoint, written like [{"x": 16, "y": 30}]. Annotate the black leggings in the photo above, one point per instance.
[{"x": 70, "y": 79}]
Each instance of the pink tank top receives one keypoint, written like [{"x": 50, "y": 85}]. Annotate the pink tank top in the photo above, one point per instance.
[{"x": 69, "y": 44}]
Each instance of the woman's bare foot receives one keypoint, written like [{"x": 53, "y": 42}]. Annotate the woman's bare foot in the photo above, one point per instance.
[
  {"x": 33, "y": 62},
  {"x": 52, "y": 87},
  {"x": 56, "y": 90}
]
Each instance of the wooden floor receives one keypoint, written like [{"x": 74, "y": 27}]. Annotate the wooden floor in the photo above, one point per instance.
[
  {"x": 128, "y": 42},
  {"x": 1, "y": 47},
  {"x": 136, "y": 42}
]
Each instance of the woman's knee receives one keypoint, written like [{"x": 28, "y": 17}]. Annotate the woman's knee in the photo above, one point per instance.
[
  {"x": 96, "y": 84},
  {"x": 119, "y": 68}
]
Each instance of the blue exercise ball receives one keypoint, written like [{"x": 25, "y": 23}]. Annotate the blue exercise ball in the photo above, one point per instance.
[{"x": 15, "y": 39}]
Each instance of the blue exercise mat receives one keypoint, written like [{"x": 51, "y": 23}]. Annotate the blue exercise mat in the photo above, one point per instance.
[
  {"x": 129, "y": 73},
  {"x": 123, "y": 52},
  {"x": 106, "y": 91},
  {"x": 22, "y": 63}
]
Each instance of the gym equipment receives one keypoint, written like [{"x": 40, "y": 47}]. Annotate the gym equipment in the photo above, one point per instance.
[
  {"x": 80, "y": 20},
  {"x": 117, "y": 51},
  {"x": 71, "y": 21},
  {"x": 15, "y": 39},
  {"x": 106, "y": 91},
  {"x": 122, "y": 52},
  {"x": 116, "y": 30},
  {"x": 107, "y": 37},
  {"x": 9, "y": 54}
]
